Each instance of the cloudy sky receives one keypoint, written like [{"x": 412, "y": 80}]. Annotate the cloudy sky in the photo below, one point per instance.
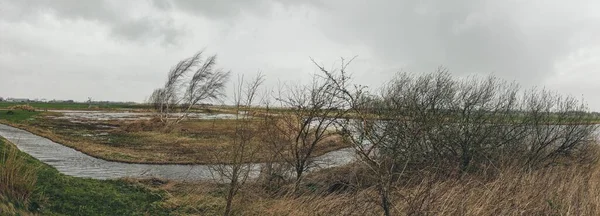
[{"x": 122, "y": 50}]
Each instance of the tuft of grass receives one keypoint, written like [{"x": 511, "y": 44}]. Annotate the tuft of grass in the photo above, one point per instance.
[{"x": 17, "y": 178}]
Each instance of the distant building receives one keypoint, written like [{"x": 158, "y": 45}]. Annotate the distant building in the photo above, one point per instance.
[
  {"x": 61, "y": 101},
  {"x": 17, "y": 100}
]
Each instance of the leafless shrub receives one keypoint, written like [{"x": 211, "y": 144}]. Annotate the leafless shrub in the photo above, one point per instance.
[
  {"x": 152, "y": 124},
  {"x": 273, "y": 174},
  {"x": 297, "y": 134},
  {"x": 556, "y": 126},
  {"x": 235, "y": 171}
]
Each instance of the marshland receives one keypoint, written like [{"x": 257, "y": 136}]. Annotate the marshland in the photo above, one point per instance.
[
  {"x": 310, "y": 107},
  {"x": 422, "y": 144}
]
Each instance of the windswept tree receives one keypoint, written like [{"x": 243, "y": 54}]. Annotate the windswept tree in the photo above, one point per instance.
[{"x": 191, "y": 81}]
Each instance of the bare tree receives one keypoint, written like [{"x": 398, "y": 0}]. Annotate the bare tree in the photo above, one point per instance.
[
  {"x": 369, "y": 133},
  {"x": 235, "y": 169},
  {"x": 89, "y": 102},
  {"x": 189, "y": 82},
  {"x": 273, "y": 173},
  {"x": 297, "y": 134}
]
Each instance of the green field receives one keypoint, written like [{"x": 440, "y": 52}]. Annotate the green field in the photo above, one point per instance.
[
  {"x": 17, "y": 116},
  {"x": 40, "y": 105}
]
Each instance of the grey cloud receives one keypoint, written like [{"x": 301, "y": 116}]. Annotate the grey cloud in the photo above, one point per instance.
[
  {"x": 522, "y": 40},
  {"x": 220, "y": 9},
  {"x": 228, "y": 9},
  {"x": 146, "y": 28},
  {"x": 512, "y": 40},
  {"x": 161, "y": 4},
  {"x": 72, "y": 9},
  {"x": 103, "y": 11}
]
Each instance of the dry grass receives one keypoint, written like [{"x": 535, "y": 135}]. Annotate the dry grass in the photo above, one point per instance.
[
  {"x": 22, "y": 107},
  {"x": 191, "y": 142},
  {"x": 551, "y": 191},
  {"x": 568, "y": 189},
  {"x": 188, "y": 198},
  {"x": 17, "y": 179}
]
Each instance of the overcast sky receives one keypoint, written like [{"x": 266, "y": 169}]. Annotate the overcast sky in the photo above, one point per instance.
[{"x": 122, "y": 50}]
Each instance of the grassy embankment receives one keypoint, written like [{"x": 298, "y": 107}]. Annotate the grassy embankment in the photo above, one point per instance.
[
  {"x": 194, "y": 141},
  {"x": 29, "y": 187}
]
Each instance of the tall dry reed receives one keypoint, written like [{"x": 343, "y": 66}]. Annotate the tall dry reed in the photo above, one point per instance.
[{"x": 17, "y": 177}]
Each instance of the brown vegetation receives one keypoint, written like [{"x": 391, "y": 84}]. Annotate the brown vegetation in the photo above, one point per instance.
[
  {"x": 570, "y": 188},
  {"x": 22, "y": 107},
  {"x": 147, "y": 141},
  {"x": 550, "y": 191}
]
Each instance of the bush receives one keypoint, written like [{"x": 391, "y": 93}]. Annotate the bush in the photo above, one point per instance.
[
  {"x": 438, "y": 121},
  {"x": 153, "y": 124},
  {"x": 450, "y": 126},
  {"x": 22, "y": 107}
]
